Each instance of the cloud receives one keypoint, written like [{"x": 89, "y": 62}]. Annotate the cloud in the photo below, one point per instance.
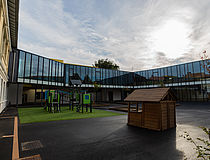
[
  {"x": 134, "y": 34},
  {"x": 162, "y": 60}
]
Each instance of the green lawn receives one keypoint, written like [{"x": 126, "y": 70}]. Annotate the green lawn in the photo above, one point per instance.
[{"x": 38, "y": 114}]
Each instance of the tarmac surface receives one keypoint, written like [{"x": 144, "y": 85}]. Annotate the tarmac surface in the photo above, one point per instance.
[
  {"x": 6, "y": 133},
  {"x": 111, "y": 138}
]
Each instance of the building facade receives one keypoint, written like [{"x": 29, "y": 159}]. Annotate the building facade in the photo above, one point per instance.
[
  {"x": 25, "y": 76},
  {"x": 8, "y": 39},
  {"x": 34, "y": 74}
]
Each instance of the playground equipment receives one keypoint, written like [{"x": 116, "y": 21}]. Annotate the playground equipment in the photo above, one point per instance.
[
  {"x": 81, "y": 100},
  {"x": 73, "y": 99},
  {"x": 52, "y": 101}
]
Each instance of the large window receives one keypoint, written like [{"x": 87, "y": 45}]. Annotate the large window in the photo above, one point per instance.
[
  {"x": 197, "y": 71},
  {"x": 21, "y": 66},
  {"x": 34, "y": 69},
  {"x": 82, "y": 73},
  {"x": 182, "y": 73},
  {"x": 40, "y": 70},
  {"x": 46, "y": 71},
  {"x": 98, "y": 75},
  {"x": 174, "y": 74},
  {"x": 90, "y": 73},
  {"x": 50, "y": 71},
  {"x": 27, "y": 68}
]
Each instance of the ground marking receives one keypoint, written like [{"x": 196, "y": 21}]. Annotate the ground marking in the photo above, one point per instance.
[
  {"x": 15, "y": 150},
  {"x": 8, "y": 136},
  {"x": 6, "y": 117},
  {"x": 35, "y": 157}
]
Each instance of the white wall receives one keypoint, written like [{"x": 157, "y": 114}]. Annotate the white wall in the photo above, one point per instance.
[
  {"x": 12, "y": 94},
  {"x": 3, "y": 88}
]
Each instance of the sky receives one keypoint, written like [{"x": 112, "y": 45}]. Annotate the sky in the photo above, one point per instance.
[{"x": 135, "y": 34}]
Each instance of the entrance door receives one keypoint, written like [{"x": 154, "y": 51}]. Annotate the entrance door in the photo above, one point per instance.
[{"x": 110, "y": 94}]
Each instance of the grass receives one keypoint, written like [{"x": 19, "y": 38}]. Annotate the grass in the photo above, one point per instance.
[{"x": 38, "y": 114}]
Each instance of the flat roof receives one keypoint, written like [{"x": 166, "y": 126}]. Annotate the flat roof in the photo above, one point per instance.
[{"x": 13, "y": 14}]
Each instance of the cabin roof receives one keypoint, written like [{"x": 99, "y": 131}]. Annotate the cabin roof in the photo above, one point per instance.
[{"x": 147, "y": 95}]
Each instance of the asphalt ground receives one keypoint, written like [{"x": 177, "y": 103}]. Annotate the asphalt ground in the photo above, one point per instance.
[
  {"x": 105, "y": 138},
  {"x": 111, "y": 138},
  {"x": 6, "y": 133}
]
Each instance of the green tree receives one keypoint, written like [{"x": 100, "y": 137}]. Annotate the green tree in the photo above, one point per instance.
[{"x": 106, "y": 63}]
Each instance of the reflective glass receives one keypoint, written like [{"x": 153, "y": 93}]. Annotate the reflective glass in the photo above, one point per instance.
[
  {"x": 21, "y": 64},
  {"x": 34, "y": 68},
  {"x": 174, "y": 73},
  {"x": 82, "y": 73},
  {"x": 50, "y": 71},
  {"x": 90, "y": 74},
  {"x": 46, "y": 70},
  {"x": 27, "y": 67},
  {"x": 197, "y": 71},
  {"x": 39, "y": 77}
]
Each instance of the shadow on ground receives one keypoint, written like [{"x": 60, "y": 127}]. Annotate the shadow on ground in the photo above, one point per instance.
[{"x": 99, "y": 138}]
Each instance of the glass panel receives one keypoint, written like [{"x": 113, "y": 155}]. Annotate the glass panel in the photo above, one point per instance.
[
  {"x": 56, "y": 72},
  {"x": 155, "y": 76},
  {"x": 34, "y": 69},
  {"x": 182, "y": 73},
  {"x": 82, "y": 73},
  {"x": 107, "y": 77},
  {"x": 114, "y": 77},
  {"x": 166, "y": 77},
  {"x": 46, "y": 71},
  {"x": 40, "y": 69},
  {"x": 50, "y": 71},
  {"x": 67, "y": 71},
  {"x": 149, "y": 77},
  {"x": 98, "y": 75},
  {"x": 197, "y": 72},
  {"x": 90, "y": 74},
  {"x": 60, "y": 73},
  {"x": 21, "y": 66},
  {"x": 144, "y": 77},
  {"x": 79, "y": 71},
  {"x": 86, "y": 77},
  {"x": 53, "y": 72},
  {"x": 169, "y": 79},
  {"x": 190, "y": 72},
  {"x": 174, "y": 74},
  {"x": 27, "y": 67}
]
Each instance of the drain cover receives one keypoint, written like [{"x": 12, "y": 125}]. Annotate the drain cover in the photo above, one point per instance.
[{"x": 31, "y": 145}]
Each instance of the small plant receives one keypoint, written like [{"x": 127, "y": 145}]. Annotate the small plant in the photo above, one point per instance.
[{"x": 203, "y": 149}]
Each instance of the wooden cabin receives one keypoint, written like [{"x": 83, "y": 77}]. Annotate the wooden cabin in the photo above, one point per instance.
[{"x": 152, "y": 108}]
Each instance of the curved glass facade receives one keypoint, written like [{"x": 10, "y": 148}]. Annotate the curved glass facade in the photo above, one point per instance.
[{"x": 189, "y": 81}]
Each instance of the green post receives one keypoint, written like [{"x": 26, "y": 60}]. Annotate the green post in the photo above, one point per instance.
[
  {"x": 59, "y": 101},
  {"x": 82, "y": 104}
]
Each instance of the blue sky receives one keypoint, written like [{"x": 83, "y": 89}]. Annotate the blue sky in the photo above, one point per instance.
[{"x": 135, "y": 34}]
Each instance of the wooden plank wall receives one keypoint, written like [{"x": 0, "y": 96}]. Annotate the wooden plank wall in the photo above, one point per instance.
[
  {"x": 168, "y": 114},
  {"x": 155, "y": 116},
  {"x": 134, "y": 119},
  {"x": 152, "y": 116}
]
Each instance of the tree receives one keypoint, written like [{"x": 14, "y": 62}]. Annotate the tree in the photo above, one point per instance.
[{"x": 106, "y": 63}]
